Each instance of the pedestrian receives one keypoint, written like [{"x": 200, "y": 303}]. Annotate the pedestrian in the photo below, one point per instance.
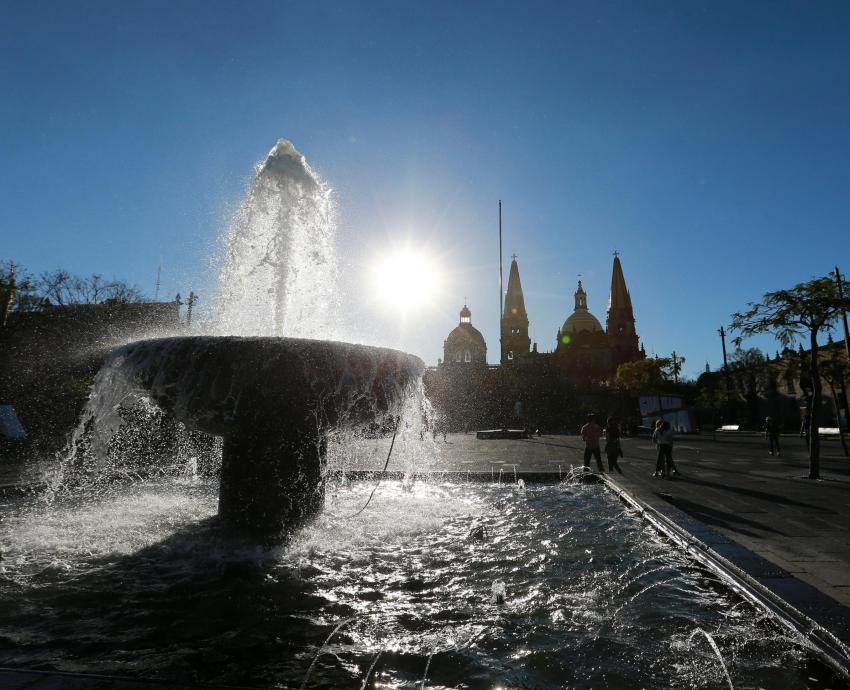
[
  {"x": 771, "y": 433},
  {"x": 663, "y": 438},
  {"x": 613, "y": 449},
  {"x": 590, "y": 434},
  {"x": 804, "y": 428}
]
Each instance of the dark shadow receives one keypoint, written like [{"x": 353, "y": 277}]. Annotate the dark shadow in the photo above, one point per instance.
[
  {"x": 175, "y": 611},
  {"x": 540, "y": 442},
  {"x": 719, "y": 518},
  {"x": 751, "y": 493}
]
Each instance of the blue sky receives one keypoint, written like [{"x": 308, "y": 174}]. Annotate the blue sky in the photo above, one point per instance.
[{"x": 709, "y": 142}]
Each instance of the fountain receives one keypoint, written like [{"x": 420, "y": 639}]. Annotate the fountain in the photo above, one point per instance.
[
  {"x": 273, "y": 400},
  {"x": 119, "y": 578}
]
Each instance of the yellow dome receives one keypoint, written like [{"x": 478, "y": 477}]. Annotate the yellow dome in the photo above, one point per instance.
[{"x": 581, "y": 320}]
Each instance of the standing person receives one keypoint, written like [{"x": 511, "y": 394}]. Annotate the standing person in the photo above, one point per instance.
[
  {"x": 612, "y": 444},
  {"x": 804, "y": 428},
  {"x": 590, "y": 434},
  {"x": 771, "y": 433},
  {"x": 663, "y": 437}
]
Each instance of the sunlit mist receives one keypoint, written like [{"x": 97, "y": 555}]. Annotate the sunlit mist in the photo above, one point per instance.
[{"x": 406, "y": 279}]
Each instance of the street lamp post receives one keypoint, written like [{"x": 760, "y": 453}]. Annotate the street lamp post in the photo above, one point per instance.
[
  {"x": 840, "y": 287},
  {"x": 726, "y": 371}
]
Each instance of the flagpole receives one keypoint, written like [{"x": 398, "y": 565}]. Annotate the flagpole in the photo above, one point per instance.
[{"x": 501, "y": 348}]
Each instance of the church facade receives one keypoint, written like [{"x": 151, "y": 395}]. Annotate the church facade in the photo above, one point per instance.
[{"x": 584, "y": 352}]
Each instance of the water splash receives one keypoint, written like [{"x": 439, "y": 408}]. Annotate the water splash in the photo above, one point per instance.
[
  {"x": 641, "y": 593},
  {"x": 123, "y": 434},
  {"x": 716, "y": 652},
  {"x": 321, "y": 649},
  {"x": 371, "y": 668},
  {"x": 278, "y": 265},
  {"x": 425, "y": 674}
]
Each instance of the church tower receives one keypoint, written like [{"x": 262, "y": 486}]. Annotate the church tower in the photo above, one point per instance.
[
  {"x": 622, "y": 337},
  {"x": 515, "y": 340}
]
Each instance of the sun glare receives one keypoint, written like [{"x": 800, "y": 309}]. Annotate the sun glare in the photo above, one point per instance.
[{"x": 405, "y": 279}]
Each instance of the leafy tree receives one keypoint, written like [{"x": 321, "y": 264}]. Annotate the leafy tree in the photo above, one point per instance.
[
  {"x": 711, "y": 396},
  {"x": 833, "y": 369},
  {"x": 749, "y": 374},
  {"x": 675, "y": 368},
  {"x": 805, "y": 310},
  {"x": 643, "y": 375}
]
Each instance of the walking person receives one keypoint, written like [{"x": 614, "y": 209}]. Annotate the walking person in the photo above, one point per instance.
[
  {"x": 663, "y": 438},
  {"x": 771, "y": 433},
  {"x": 590, "y": 434},
  {"x": 612, "y": 444}
]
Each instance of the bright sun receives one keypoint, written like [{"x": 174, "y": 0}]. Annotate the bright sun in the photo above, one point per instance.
[{"x": 405, "y": 279}]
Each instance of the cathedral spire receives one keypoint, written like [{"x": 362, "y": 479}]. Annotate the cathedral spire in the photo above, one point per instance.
[
  {"x": 619, "y": 297},
  {"x": 515, "y": 340},
  {"x": 514, "y": 301},
  {"x": 622, "y": 337}
]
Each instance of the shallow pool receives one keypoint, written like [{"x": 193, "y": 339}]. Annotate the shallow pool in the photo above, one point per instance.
[{"x": 433, "y": 585}]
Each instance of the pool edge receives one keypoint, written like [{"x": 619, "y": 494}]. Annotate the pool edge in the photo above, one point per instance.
[{"x": 799, "y": 605}]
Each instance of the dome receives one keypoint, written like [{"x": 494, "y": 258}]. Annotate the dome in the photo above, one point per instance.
[
  {"x": 581, "y": 320},
  {"x": 465, "y": 334}
]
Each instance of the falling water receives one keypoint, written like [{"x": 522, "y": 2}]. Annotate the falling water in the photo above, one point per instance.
[
  {"x": 278, "y": 266},
  {"x": 716, "y": 652},
  {"x": 371, "y": 668},
  {"x": 322, "y": 648}
]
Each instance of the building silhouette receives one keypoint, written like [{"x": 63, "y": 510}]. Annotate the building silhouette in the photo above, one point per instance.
[
  {"x": 554, "y": 389},
  {"x": 584, "y": 352},
  {"x": 465, "y": 345}
]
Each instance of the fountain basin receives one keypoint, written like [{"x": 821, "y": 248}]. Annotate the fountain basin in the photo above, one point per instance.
[
  {"x": 273, "y": 400},
  {"x": 591, "y": 597}
]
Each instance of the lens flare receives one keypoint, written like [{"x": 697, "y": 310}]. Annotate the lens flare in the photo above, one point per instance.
[{"x": 406, "y": 279}]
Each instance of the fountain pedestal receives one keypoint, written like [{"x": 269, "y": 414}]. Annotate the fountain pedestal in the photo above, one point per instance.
[
  {"x": 271, "y": 480},
  {"x": 273, "y": 400}
]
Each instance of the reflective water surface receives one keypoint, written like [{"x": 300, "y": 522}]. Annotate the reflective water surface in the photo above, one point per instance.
[{"x": 434, "y": 585}]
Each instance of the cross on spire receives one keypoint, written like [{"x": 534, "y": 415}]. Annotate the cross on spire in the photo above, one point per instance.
[
  {"x": 616, "y": 253},
  {"x": 513, "y": 256}
]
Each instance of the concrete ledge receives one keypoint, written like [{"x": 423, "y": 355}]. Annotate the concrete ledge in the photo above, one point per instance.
[
  {"x": 26, "y": 679},
  {"x": 500, "y": 434}
]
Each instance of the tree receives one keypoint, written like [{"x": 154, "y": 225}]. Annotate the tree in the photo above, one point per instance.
[
  {"x": 750, "y": 375},
  {"x": 17, "y": 290},
  {"x": 676, "y": 364},
  {"x": 805, "y": 310},
  {"x": 711, "y": 397},
  {"x": 63, "y": 288},
  {"x": 833, "y": 368},
  {"x": 643, "y": 375}
]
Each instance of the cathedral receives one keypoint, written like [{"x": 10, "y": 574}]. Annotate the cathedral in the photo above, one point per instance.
[{"x": 584, "y": 352}]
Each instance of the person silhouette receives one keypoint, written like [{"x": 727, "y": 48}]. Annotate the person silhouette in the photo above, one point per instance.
[{"x": 590, "y": 434}]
